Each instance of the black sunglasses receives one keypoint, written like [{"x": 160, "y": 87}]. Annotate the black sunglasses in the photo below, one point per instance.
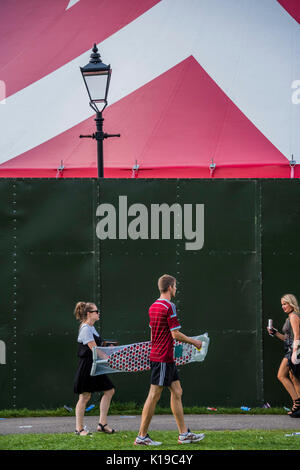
[{"x": 96, "y": 311}]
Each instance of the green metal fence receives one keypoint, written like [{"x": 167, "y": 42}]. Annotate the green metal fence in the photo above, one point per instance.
[{"x": 52, "y": 256}]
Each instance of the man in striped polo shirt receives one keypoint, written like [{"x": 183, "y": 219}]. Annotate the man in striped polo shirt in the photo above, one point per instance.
[{"x": 165, "y": 327}]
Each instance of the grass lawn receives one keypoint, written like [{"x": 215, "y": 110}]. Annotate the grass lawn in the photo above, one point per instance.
[
  {"x": 121, "y": 441},
  {"x": 133, "y": 408}
]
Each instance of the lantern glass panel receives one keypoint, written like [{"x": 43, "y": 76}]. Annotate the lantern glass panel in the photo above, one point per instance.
[{"x": 97, "y": 85}]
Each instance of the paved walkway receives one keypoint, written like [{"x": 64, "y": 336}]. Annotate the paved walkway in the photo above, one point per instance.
[{"x": 131, "y": 423}]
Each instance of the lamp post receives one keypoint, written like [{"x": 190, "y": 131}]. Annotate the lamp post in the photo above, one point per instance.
[{"x": 96, "y": 76}]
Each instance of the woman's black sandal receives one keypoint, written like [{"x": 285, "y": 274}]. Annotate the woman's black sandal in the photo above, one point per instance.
[
  {"x": 78, "y": 433},
  {"x": 102, "y": 429},
  {"x": 295, "y": 409}
]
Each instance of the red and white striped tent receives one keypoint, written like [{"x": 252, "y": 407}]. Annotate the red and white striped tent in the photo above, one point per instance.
[{"x": 194, "y": 82}]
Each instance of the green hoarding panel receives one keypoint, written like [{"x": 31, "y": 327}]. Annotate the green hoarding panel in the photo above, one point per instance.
[
  {"x": 281, "y": 257},
  {"x": 53, "y": 264},
  {"x": 51, "y": 257},
  {"x": 8, "y": 324},
  {"x": 129, "y": 273},
  {"x": 222, "y": 277}
]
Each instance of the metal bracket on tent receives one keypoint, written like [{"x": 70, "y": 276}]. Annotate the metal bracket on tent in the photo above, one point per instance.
[
  {"x": 135, "y": 170},
  {"x": 292, "y": 165},
  {"x": 60, "y": 170},
  {"x": 212, "y": 167}
]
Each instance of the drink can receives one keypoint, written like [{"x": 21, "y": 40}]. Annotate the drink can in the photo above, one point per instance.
[{"x": 270, "y": 323}]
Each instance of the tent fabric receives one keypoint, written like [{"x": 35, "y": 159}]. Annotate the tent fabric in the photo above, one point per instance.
[
  {"x": 292, "y": 7},
  {"x": 206, "y": 88}
]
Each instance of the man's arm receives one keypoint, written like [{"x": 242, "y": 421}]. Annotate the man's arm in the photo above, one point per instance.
[{"x": 178, "y": 336}]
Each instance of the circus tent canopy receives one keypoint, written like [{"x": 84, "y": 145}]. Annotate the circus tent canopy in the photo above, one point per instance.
[{"x": 199, "y": 88}]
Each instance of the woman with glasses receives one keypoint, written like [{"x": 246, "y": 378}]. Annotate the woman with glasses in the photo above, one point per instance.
[{"x": 85, "y": 384}]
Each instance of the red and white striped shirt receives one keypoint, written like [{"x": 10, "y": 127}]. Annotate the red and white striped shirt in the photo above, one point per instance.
[{"x": 163, "y": 319}]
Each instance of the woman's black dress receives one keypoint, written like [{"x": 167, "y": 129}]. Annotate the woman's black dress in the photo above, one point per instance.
[
  {"x": 288, "y": 348},
  {"x": 84, "y": 382}
]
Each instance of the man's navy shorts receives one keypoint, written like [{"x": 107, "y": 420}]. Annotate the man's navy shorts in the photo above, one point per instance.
[{"x": 163, "y": 373}]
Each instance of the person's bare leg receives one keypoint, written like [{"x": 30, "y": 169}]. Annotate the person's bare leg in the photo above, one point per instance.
[
  {"x": 80, "y": 410},
  {"x": 283, "y": 377},
  {"x": 149, "y": 408},
  {"x": 176, "y": 405},
  {"x": 104, "y": 407},
  {"x": 296, "y": 383}
]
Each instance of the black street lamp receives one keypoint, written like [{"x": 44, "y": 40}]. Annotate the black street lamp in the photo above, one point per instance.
[{"x": 96, "y": 76}]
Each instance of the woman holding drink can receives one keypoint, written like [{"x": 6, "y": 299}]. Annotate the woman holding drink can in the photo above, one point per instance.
[{"x": 289, "y": 369}]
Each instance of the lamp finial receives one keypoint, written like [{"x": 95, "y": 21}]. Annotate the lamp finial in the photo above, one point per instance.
[{"x": 95, "y": 56}]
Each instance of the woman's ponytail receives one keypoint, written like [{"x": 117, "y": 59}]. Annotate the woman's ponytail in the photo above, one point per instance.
[{"x": 82, "y": 309}]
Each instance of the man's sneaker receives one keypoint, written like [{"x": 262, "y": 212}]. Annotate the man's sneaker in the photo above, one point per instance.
[
  {"x": 190, "y": 437},
  {"x": 146, "y": 441}
]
